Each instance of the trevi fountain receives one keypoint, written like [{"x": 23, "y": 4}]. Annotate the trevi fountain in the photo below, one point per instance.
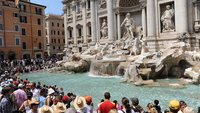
[{"x": 133, "y": 65}]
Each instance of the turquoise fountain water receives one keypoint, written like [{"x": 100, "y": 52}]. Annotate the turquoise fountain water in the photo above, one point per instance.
[{"x": 82, "y": 84}]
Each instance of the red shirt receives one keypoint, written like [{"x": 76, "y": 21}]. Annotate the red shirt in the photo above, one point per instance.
[{"x": 106, "y": 106}]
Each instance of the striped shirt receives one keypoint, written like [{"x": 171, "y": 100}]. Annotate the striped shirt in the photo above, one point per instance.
[{"x": 5, "y": 105}]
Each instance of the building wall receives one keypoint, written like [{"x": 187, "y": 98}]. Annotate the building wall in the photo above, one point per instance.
[
  {"x": 8, "y": 32},
  {"x": 13, "y": 16},
  {"x": 78, "y": 25},
  {"x": 55, "y": 42},
  {"x": 33, "y": 26}
]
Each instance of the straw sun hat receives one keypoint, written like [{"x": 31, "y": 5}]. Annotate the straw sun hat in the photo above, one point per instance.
[
  {"x": 34, "y": 102},
  {"x": 46, "y": 109},
  {"x": 79, "y": 103},
  {"x": 59, "y": 108}
]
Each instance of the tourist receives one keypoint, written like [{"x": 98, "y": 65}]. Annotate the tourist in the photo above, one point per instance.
[
  {"x": 35, "y": 91},
  {"x": 65, "y": 100},
  {"x": 6, "y": 103},
  {"x": 183, "y": 105},
  {"x": 89, "y": 104},
  {"x": 70, "y": 110},
  {"x": 188, "y": 110},
  {"x": 49, "y": 98},
  {"x": 107, "y": 105},
  {"x": 174, "y": 106},
  {"x": 26, "y": 106},
  {"x": 41, "y": 98},
  {"x": 135, "y": 105},
  {"x": 153, "y": 110},
  {"x": 45, "y": 109},
  {"x": 149, "y": 106},
  {"x": 34, "y": 106},
  {"x": 20, "y": 95},
  {"x": 126, "y": 108},
  {"x": 113, "y": 111},
  {"x": 80, "y": 104},
  {"x": 59, "y": 108},
  {"x": 157, "y": 106}
]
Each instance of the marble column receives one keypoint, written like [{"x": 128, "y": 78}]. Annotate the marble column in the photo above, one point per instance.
[
  {"x": 83, "y": 3},
  {"x": 151, "y": 26},
  {"x": 118, "y": 25},
  {"x": 74, "y": 22},
  {"x": 144, "y": 23},
  {"x": 65, "y": 25},
  {"x": 195, "y": 11},
  {"x": 93, "y": 21},
  {"x": 181, "y": 19},
  {"x": 110, "y": 20}
]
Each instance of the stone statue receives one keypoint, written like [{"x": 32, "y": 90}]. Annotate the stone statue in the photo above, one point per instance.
[
  {"x": 167, "y": 19},
  {"x": 104, "y": 29},
  {"x": 102, "y": 4},
  {"x": 129, "y": 24}
]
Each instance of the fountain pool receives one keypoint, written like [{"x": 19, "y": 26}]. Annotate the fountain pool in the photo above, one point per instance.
[{"x": 83, "y": 84}]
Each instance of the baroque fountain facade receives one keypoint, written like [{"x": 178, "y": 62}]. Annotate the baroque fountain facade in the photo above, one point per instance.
[{"x": 138, "y": 39}]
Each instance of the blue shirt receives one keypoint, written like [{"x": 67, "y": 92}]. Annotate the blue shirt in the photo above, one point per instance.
[{"x": 41, "y": 99}]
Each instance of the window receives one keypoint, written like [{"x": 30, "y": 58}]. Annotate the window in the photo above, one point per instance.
[
  {"x": 39, "y": 33},
  {"x": 70, "y": 33},
  {"x": 23, "y": 19},
  {"x": 1, "y": 41},
  {"x": 40, "y": 45},
  {"x": 54, "y": 40},
  {"x": 1, "y": 13},
  {"x": 63, "y": 25},
  {"x": 58, "y": 24},
  {"x": 59, "y": 41},
  {"x": 63, "y": 40},
  {"x": 79, "y": 32},
  {"x": 16, "y": 28},
  {"x": 15, "y": 15},
  {"x": 23, "y": 31},
  {"x": 78, "y": 7},
  {"x": 38, "y": 11},
  {"x": 54, "y": 47},
  {"x": 58, "y": 32},
  {"x": 69, "y": 10},
  {"x": 63, "y": 33},
  {"x": 39, "y": 21},
  {"x": 88, "y": 4},
  {"x": 1, "y": 26},
  {"x": 54, "y": 32},
  {"x": 59, "y": 47},
  {"x": 52, "y": 24},
  {"x": 90, "y": 30},
  {"x": 17, "y": 41},
  {"x": 22, "y": 7},
  {"x": 24, "y": 45}
]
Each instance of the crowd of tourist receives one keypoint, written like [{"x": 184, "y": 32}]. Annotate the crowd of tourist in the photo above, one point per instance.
[
  {"x": 23, "y": 96},
  {"x": 10, "y": 68}
]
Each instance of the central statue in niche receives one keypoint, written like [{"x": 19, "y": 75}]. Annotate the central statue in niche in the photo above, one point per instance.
[
  {"x": 167, "y": 19},
  {"x": 129, "y": 24}
]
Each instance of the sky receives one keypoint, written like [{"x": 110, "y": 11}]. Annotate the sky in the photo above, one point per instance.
[{"x": 53, "y": 6}]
